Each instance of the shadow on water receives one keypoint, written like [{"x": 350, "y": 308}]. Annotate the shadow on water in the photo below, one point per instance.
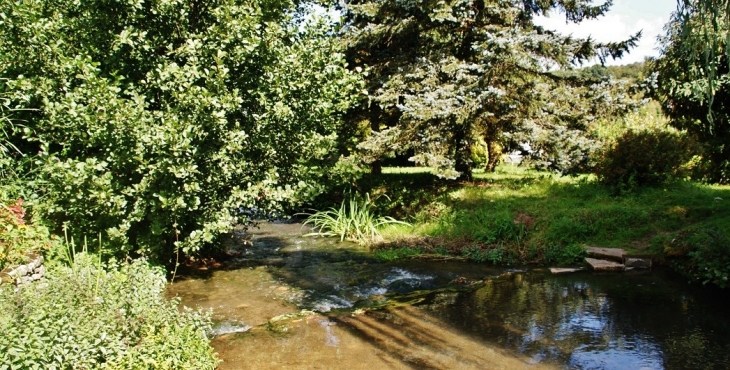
[{"x": 446, "y": 315}]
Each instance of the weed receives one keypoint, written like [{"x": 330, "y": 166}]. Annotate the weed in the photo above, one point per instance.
[
  {"x": 557, "y": 255},
  {"x": 702, "y": 255},
  {"x": 397, "y": 253},
  {"x": 354, "y": 220},
  {"x": 494, "y": 256},
  {"x": 93, "y": 315}
]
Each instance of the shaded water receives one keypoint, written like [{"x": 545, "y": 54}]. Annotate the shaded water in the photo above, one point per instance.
[{"x": 293, "y": 302}]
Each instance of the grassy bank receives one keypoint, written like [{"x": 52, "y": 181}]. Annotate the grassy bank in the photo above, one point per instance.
[{"x": 518, "y": 216}]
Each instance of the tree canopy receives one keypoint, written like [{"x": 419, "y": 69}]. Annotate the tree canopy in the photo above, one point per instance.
[
  {"x": 157, "y": 122},
  {"x": 445, "y": 74},
  {"x": 693, "y": 83}
]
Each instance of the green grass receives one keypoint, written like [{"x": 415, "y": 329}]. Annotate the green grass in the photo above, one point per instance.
[
  {"x": 520, "y": 216},
  {"x": 354, "y": 220}
]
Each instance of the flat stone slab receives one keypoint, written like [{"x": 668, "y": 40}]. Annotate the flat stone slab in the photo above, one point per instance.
[
  {"x": 604, "y": 265},
  {"x": 562, "y": 270},
  {"x": 615, "y": 254}
]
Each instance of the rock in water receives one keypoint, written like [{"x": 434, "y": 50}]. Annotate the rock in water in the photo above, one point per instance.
[{"x": 604, "y": 265}]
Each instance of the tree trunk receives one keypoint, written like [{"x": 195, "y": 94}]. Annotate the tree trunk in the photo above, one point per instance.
[
  {"x": 376, "y": 168},
  {"x": 494, "y": 154},
  {"x": 462, "y": 155}
]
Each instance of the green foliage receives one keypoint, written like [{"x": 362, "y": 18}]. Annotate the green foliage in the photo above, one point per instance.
[
  {"x": 7, "y": 128},
  {"x": 693, "y": 80},
  {"x": 633, "y": 72},
  {"x": 562, "y": 256},
  {"x": 155, "y": 123},
  {"x": 644, "y": 158},
  {"x": 494, "y": 255},
  {"x": 354, "y": 220},
  {"x": 484, "y": 225},
  {"x": 94, "y": 316},
  {"x": 20, "y": 239},
  {"x": 536, "y": 217},
  {"x": 394, "y": 254},
  {"x": 444, "y": 75},
  {"x": 702, "y": 255}
]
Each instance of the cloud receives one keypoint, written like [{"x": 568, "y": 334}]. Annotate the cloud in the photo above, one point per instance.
[{"x": 612, "y": 27}]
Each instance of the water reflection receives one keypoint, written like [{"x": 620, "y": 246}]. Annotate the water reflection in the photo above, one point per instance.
[
  {"x": 447, "y": 315},
  {"x": 588, "y": 321}
]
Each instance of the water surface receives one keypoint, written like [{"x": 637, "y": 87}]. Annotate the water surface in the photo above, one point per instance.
[{"x": 334, "y": 306}]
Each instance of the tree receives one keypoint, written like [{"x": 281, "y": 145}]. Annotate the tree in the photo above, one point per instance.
[
  {"x": 156, "y": 122},
  {"x": 442, "y": 73},
  {"x": 693, "y": 84},
  {"x": 703, "y": 28}
]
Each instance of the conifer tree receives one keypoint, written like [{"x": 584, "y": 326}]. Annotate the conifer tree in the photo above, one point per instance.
[{"x": 444, "y": 73}]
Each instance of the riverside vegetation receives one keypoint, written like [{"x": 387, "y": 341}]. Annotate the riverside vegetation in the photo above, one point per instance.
[
  {"x": 157, "y": 126},
  {"x": 638, "y": 198},
  {"x": 515, "y": 217}
]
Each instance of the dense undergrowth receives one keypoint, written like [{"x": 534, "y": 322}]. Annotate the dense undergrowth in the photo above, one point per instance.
[
  {"x": 517, "y": 216},
  {"x": 100, "y": 316},
  {"x": 87, "y": 314}
]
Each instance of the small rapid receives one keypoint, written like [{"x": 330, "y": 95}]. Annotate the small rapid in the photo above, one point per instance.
[{"x": 289, "y": 301}]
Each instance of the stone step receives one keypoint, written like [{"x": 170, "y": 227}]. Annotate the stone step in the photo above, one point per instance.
[
  {"x": 614, "y": 254},
  {"x": 604, "y": 265},
  {"x": 564, "y": 270}
]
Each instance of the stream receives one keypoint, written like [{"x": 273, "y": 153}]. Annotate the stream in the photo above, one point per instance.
[{"x": 292, "y": 302}]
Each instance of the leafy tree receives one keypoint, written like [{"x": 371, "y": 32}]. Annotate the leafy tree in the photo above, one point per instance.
[
  {"x": 693, "y": 82},
  {"x": 443, "y": 73},
  {"x": 156, "y": 122}
]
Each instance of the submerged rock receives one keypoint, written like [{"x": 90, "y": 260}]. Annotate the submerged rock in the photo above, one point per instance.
[
  {"x": 642, "y": 262},
  {"x": 562, "y": 270}
]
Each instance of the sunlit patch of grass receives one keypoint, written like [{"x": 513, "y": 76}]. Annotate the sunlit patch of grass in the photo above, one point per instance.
[
  {"x": 538, "y": 217},
  {"x": 401, "y": 170}
]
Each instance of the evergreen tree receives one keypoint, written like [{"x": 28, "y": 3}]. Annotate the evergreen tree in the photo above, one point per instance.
[{"x": 444, "y": 73}]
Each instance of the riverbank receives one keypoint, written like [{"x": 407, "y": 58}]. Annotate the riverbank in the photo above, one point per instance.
[
  {"x": 291, "y": 301},
  {"x": 516, "y": 216}
]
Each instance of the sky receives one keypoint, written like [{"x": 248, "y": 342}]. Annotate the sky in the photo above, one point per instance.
[{"x": 625, "y": 18}]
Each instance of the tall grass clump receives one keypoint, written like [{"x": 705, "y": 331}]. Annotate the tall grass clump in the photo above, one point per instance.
[
  {"x": 353, "y": 220},
  {"x": 93, "y": 315}
]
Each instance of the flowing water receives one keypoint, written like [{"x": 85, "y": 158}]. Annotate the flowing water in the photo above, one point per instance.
[{"x": 293, "y": 302}]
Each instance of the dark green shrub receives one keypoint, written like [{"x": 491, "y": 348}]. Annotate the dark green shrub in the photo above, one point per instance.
[
  {"x": 558, "y": 255},
  {"x": 644, "y": 158},
  {"x": 496, "y": 255},
  {"x": 89, "y": 316},
  {"x": 701, "y": 255}
]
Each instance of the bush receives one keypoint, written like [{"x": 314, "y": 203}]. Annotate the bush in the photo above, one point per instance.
[
  {"x": 90, "y": 316},
  {"x": 701, "y": 255},
  {"x": 19, "y": 239},
  {"x": 644, "y": 158},
  {"x": 558, "y": 255},
  {"x": 154, "y": 125}
]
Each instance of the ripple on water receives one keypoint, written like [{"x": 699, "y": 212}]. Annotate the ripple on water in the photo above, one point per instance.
[
  {"x": 228, "y": 327},
  {"x": 397, "y": 280},
  {"x": 330, "y": 303}
]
